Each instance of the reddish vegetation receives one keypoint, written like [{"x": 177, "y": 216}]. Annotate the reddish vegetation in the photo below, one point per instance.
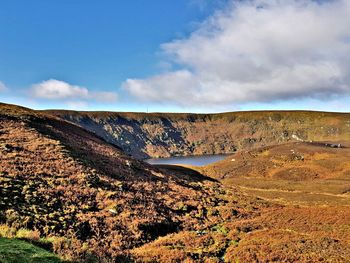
[
  {"x": 291, "y": 161},
  {"x": 281, "y": 203},
  {"x": 65, "y": 181}
]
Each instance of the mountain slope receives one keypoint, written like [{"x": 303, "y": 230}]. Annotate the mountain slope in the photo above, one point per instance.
[
  {"x": 64, "y": 181},
  {"x": 307, "y": 220},
  {"x": 295, "y": 161},
  {"x": 298, "y": 173},
  {"x": 165, "y": 134},
  {"x": 95, "y": 203}
]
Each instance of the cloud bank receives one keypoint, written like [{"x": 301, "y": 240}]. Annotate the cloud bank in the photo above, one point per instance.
[
  {"x": 257, "y": 51},
  {"x": 53, "y": 89}
]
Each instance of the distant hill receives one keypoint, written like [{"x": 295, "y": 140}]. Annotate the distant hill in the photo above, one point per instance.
[{"x": 165, "y": 134}]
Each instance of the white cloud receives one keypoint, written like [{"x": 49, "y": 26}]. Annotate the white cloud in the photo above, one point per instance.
[
  {"x": 2, "y": 86},
  {"x": 57, "y": 90},
  {"x": 260, "y": 50},
  {"x": 171, "y": 85},
  {"x": 53, "y": 89}
]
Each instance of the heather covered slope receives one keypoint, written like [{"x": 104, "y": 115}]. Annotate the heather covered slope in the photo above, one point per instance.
[
  {"x": 294, "y": 161},
  {"x": 91, "y": 202},
  {"x": 297, "y": 173},
  {"x": 306, "y": 187},
  {"x": 65, "y": 182},
  {"x": 165, "y": 134},
  {"x": 312, "y": 183}
]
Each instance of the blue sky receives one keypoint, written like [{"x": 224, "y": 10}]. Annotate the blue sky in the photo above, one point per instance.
[{"x": 169, "y": 55}]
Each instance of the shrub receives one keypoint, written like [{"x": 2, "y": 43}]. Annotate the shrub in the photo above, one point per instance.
[
  {"x": 23, "y": 233},
  {"x": 6, "y": 231}
]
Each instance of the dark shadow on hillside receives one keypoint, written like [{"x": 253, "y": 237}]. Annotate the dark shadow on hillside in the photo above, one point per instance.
[{"x": 185, "y": 173}]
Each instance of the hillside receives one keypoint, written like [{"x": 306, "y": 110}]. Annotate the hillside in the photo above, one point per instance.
[
  {"x": 311, "y": 182},
  {"x": 97, "y": 202},
  {"x": 69, "y": 191},
  {"x": 305, "y": 173},
  {"x": 164, "y": 134},
  {"x": 295, "y": 159}
]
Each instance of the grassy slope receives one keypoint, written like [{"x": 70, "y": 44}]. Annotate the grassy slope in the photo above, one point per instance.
[
  {"x": 229, "y": 222},
  {"x": 65, "y": 181},
  {"x": 18, "y": 251},
  {"x": 92, "y": 199},
  {"x": 293, "y": 172},
  {"x": 312, "y": 183},
  {"x": 307, "y": 219}
]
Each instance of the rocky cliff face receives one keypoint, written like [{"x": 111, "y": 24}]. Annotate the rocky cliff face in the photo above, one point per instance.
[{"x": 162, "y": 135}]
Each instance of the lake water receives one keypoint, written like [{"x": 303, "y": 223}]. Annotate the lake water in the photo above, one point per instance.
[{"x": 199, "y": 160}]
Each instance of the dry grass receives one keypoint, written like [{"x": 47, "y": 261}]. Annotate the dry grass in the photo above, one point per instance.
[
  {"x": 93, "y": 203},
  {"x": 307, "y": 219},
  {"x": 61, "y": 180}
]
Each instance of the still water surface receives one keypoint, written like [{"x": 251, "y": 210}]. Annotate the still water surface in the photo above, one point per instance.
[{"x": 199, "y": 160}]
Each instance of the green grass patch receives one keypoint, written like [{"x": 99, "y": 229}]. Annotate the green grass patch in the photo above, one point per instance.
[{"x": 19, "y": 251}]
